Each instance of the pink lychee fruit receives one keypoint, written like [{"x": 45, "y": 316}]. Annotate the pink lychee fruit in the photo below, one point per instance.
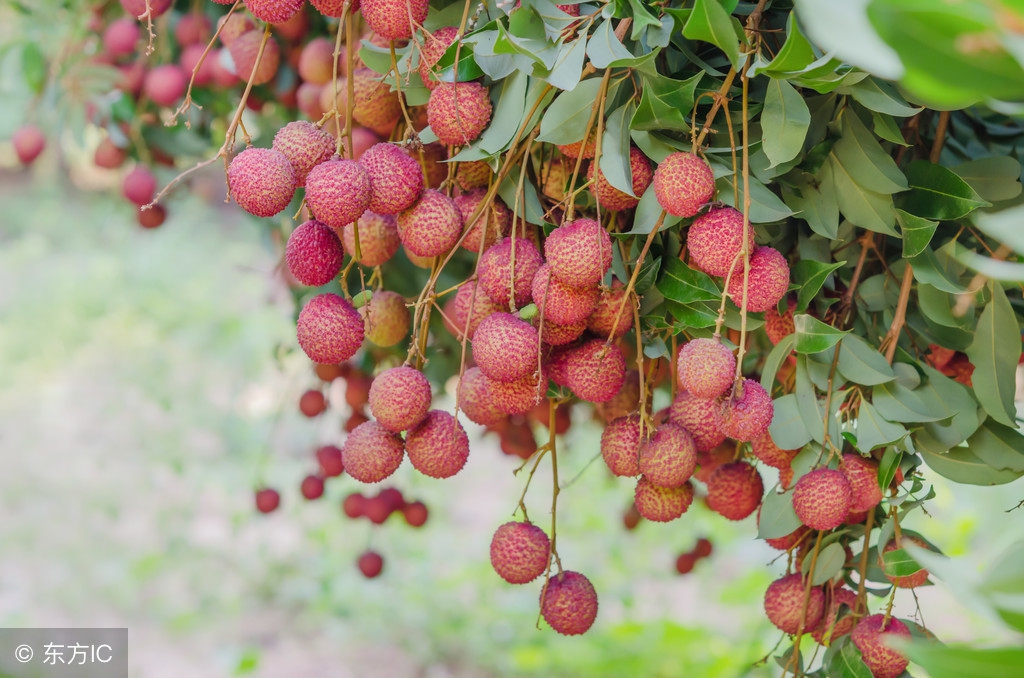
[
  {"x": 836, "y": 622},
  {"x": 662, "y": 504},
  {"x": 338, "y": 192},
  {"x": 765, "y": 449},
  {"x": 395, "y": 176},
  {"x": 166, "y": 84},
  {"x": 683, "y": 183},
  {"x": 246, "y": 48},
  {"x": 602, "y": 321},
  {"x": 139, "y": 185},
  {"x": 576, "y": 148},
  {"x": 28, "y": 143},
  {"x": 620, "y": 446},
  {"x": 668, "y": 458},
  {"x": 519, "y": 396},
  {"x": 497, "y": 264},
  {"x": 387, "y": 318},
  {"x": 394, "y": 19},
  {"x": 334, "y": 8},
  {"x": 138, "y": 8},
  {"x": 314, "y": 253},
  {"x": 262, "y": 181},
  {"x": 747, "y": 412},
  {"x": 316, "y": 62},
  {"x": 560, "y": 303},
  {"x": 431, "y": 226},
  {"x": 378, "y": 238},
  {"x": 274, "y": 11},
  {"x": 520, "y": 552},
  {"x": 459, "y": 112},
  {"x": 611, "y": 198},
  {"x": 371, "y": 453},
  {"x": 579, "y": 253},
  {"x": 595, "y": 370},
  {"x": 438, "y": 447},
  {"x": 491, "y": 225},
  {"x": 735, "y": 490},
  {"x": 863, "y": 476},
  {"x": 870, "y": 637},
  {"x": 470, "y": 306},
  {"x": 778, "y": 326},
  {"x": 400, "y": 398},
  {"x": 914, "y": 579},
  {"x": 329, "y": 329},
  {"x": 433, "y": 48},
  {"x": 715, "y": 240},
  {"x": 305, "y": 145},
  {"x": 784, "y": 604},
  {"x": 553, "y": 334},
  {"x": 475, "y": 399},
  {"x": 473, "y": 174},
  {"x": 705, "y": 368},
  {"x": 569, "y": 603},
  {"x": 822, "y": 499},
  {"x": 768, "y": 280},
  {"x": 505, "y": 347},
  {"x": 108, "y": 155},
  {"x": 121, "y": 36},
  {"x": 233, "y": 25},
  {"x": 701, "y": 417}
]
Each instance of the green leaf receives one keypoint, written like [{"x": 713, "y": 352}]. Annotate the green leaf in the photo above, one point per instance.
[
  {"x": 709, "y": 22},
  {"x": 565, "y": 120},
  {"x": 777, "y": 518},
  {"x": 642, "y": 19},
  {"x": 1004, "y": 226},
  {"x": 765, "y": 206},
  {"x": 867, "y": 209},
  {"x": 814, "y": 336},
  {"x": 880, "y": 97},
  {"x": 994, "y": 179},
  {"x": 810, "y": 275},
  {"x": 779, "y": 353},
  {"x": 938, "y": 193},
  {"x": 696, "y": 315},
  {"x": 604, "y": 47},
  {"x": 994, "y": 354},
  {"x": 963, "y": 466},
  {"x": 864, "y": 159},
  {"x": 1001, "y": 447},
  {"x": 873, "y": 430},
  {"x": 888, "y": 466},
  {"x": 900, "y": 404},
  {"x": 949, "y": 661},
  {"x": 862, "y": 364},
  {"x": 445, "y": 67},
  {"x": 508, "y": 114},
  {"x": 665, "y": 103},
  {"x": 848, "y": 663},
  {"x": 684, "y": 285},
  {"x": 814, "y": 200},
  {"x": 898, "y": 563},
  {"x": 842, "y": 27},
  {"x": 784, "y": 122},
  {"x": 614, "y": 160},
  {"x": 886, "y": 128},
  {"x": 568, "y": 66},
  {"x": 788, "y": 429},
  {"x": 831, "y": 559},
  {"x": 917, "y": 232},
  {"x": 33, "y": 66},
  {"x": 953, "y": 401},
  {"x": 796, "y": 53},
  {"x": 929, "y": 270}
]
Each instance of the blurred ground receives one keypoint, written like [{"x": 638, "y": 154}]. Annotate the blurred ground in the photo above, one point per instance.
[{"x": 143, "y": 395}]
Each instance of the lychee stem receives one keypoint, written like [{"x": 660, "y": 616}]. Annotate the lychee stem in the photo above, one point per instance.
[
  {"x": 862, "y": 568},
  {"x": 595, "y": 110},
  {"x": 187, "y": 103},
  {"x": 803, "y": 610},
  {"x": 627, "y": 296}
]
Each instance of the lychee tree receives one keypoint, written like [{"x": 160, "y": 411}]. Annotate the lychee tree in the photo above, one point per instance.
[{"x": 794, "y": 223}]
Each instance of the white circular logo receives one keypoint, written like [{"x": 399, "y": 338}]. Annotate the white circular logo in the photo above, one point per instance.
[{"x": 23, "y": 653}]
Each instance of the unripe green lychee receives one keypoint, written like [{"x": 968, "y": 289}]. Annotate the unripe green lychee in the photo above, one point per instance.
[
  {"x": 316, "y": 62},
  {"x": 668, "y": 458},
  {"x": 683, "y": 183},
  {"x": 715, "y": 240},
  {"x": 705, "y": 368},
  {"x": 394, "y": 19},
  {"x": 735, "y": 490},
  {"x": 459, "y": 112},
  {"x": 554, "y": 334},
  {"x": 371, "y": 453},
  {"x": 314, "y": 254},
  {"x": 378, "y": 238},
  {"x": 475, "y": 400},
  {"x": 431, "y": 226},
  {"x": 611, "y": 198},
  {"x": 863, "y": 476},
  {"x": 305, "y": 145},
  {"x": 245, "y": 48},
  {"x": 701, "y": 417},
  {"x": 560, "y": 303},
  {"x": 662, "y": 504},
  {"x": 747, "y": 415},
  {"x": 262, "y": 181},
  {"x": 400, "y": 398},
  {"x": 602, "y": 321},
  {"x": 338, "y": 192},
  {"x": 395, "y": 177},
  {"x": 908, "y": 581},
  {"x": 765, "y": 449},
  {"x": 329, "y": 329},
  {"x": 777, "y": 326},
  {"x": 595, "y": 370},
  {"x": 374, "y": 105},
  {"x": 387, "y": 318},
  {"x": 822, "y": 499},
  {"x": 495, "y": 271},
  {"x": 620, "y": 446},
  {"x": 768, "y": 280},
  {"x": 870, "y": 636},
  {"x": 471, "y": 305},
  {"x": 837, "y": 621},
  {"x": 505, "y": 347},
  {"x": 569, "y": 603},
  {"x": 274, "y": 11},
  {"x": 520, "y": 552},
  {"x": 784, "y": 604},
  {"x": 438, "y": 447},
  {"x": 490, "y": 226},
  {"x": 579, "y": 253},
  {"x": 519, "y": 396},
  {"x": 435, "y": 46}
]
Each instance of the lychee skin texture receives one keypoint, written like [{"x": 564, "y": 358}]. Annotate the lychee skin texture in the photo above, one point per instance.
[
  {"x": 475, "y": 400},
  {"x": 495, "y": 270},
  {"x": 611, "y": 198},
  {"x": 333, "y": 8},
  {"x": 748, "y": 416},
  {"x": 433, "y": 48},
  {"x": 560, "y": 303},
  {"x": 274, "y": 11},
  {"x": 371, "y": 453},
  {"x": 768, "y": 280},
  {"x": 139, "y": 185},
  {"x": 400, "y": 398},
  {"x": 329, "y": 329},
  {"x": 470, "y": 307},
  {"x": 387, "y": 318},
  {"x": 579, "y": 253},
  {"x": 683, "y": 183},
  {"x": 576, "y": 148},
  {"x": 378, "y": 238},
  {"x": 458, "y": 112},
  {"x": 829, "y": 628},
  {"x": 262, "y": 181},
  {"x": 338, "y": 192},
  {"x": 505, "y": 347},
  {"x": 305, "y": 145},
  {"x": 602, "y": 321},
  {"x": 863, "y": 476},
  {"x": 784, "y": 604},
  {"x": 715, "y": 240},
  {"x": 395, "y": 176},
  {"x": 438, "y": 447},
  {"x": 620, "y": 446},
  {"x": 394, "y": 19},
  {"x": 245, "y": 48},
  {"x": 662, "y": 504},
  {"x": 870, "y": 635},
  {"x": 595, "y": 371},
  {"x": 789, "y": 541},
  {"x": 668, "y": 458},
  {"x": 519, "y": 396},
  {"x": 491, "y": 225},
  {"x": 553, "y": 334},
  {"x": 822, "y": 499},
  {"x": 765, "y": 449},
  {"x": 314, "y": 253},
  {"x": 735, "y": 490},
  {"x": 569, "y": 604},
  {"x": 778, "y": 326},
  {"x": 705, "y": 368},
  {"x": 914, "y": 579},
  {"x": 520, "y": 552},
  {"x": 431, "y": 226},
  {"x": 29, "y": 142},
  {"x": 701, "y": 417},
  {"x": 473, "y": 174}
]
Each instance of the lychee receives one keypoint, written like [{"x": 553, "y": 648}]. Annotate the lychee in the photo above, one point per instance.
[
  {"x": 334, "y": 8},
  {"x": 662, "y": 504},
  {"x": 735, "y": 490},
  {"x": 490, "y": 226},
  {"x": 822, "y": 499},
  {"x": 138, "y": 8},
  {"x": 553, "y": 334},
  {"x": 832, "y": 625},
  {"x": 473, "y": 174},
  {"x": 747, "y": 413},
  {"x": 394, "y": 19},
  {"x": 520, "y": 552},
  {"x": 395, "y": 177},
  {"x": 569, "y": 603},
  {"x": 519, "y": 396},
  {"x": 602, "y": 320},
  {"x": 274, "y": 11},
  {"x": 778, "y": 326},
  {"x": 914, "y": 579},
  {"x": 715, "y": 240},
  {"x": 683, "y": 183},
  {"x": 262, "y": 181},
  {"x": 108, "y": 155},
  {"x": 495, "y": 271},
  {"x": 668, "y": 458},
  {"x": 329, "y": 329},
  {"x": 705, "y": 368},
  {"x": 433, "y": 48},
  {"x": 438, "y": 447},
  {"x": 314, "y": 254},
  {"x": 459, "y": 112},
  {"x": 701, "y": 417},
  {"x": 378, "y": 238},
  {"x": 245, "y": 48},
  {"x": 316, "y": 62},
  {"x": 312, "y": 487},
  {"x": 703, "y": 547},
  {"x": 870, "y": 636},
  {"x": 620, "y": 446},
  {"x": 560, "y": 303},
  {"x": 576, "y": 148},
  {"x": 152, "y": 217},
  {"x": 121, "y": 36},
  {"x": 371, "y": 453},
  {"x": 625, "y": 402},
  {"x": 139, "y": 185},
  {"x": 233, "y": 25},
  {"x": 765, "y": 449},
  {"x": 192, "y": 28},
  {"x": 329, "y": 459},
  {"x": 470, "y": 306},
  {"x": 374, "y": 105},
  {"x": 400, "y": 398},
  {"x": 305, "y": 145},
  {"x": 595, "y": 370},
  {"x": 387, "y": 318},
  {"x": 611, "y": 198},
  {"x": 431, "y": 226},
  {"x": 312, "y": 403},
  {"x": 371, "y": 564},
  {"x": 338, "y": 192},
  {"x": 785, "y": 607},
  {"x": 768, "y": 280},
  {"x": 863, "y": 476},
  {"x": 685, "y": 562},
  {"x": 505, "y": 347},
  {"x": 354, "y": 505},
  {"x": 267, "y": 500},
  {"x": 475, "y": 399},
  {"x": 579, "y": 253},
  {"x": 787, "y": 542},
  {"x": 415, "y": 513}
]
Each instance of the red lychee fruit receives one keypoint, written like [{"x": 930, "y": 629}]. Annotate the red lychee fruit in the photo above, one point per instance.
[
  {"x": 138, "y": 8},
  {"x": 735, "y": 490},
  {"x": 715, "y": 240},
  {"x": 519, "y": 396},
  {"x": 685, "y": 562},
  {"x": 631, "y": 518},
  {"x": 215, "y": 66},
  {"x": 595, "y": 371},
  {"x": 371, "y": 453},
  {"x": 357, "y": 390},
  {"x": 400, "y": 398},
  {"x": 312, "y": 403},
  {"x": 435, "y": 46},
  {"x": 703, "y": 548},
  {"x": 495, "y": 272},
  {"x": 267, "y": 500},
  {"x": 705, "y": 368},
  {"x": 683, "y": 183},
  {"x": 765, "y": 449},
  {"x": 777, "y": 326},
  {"x": 787, "y": 542},
  {"x": 108, "y": 155},
  {"x": 576, "y": 148},
  {"x": 475, "y": 400},
  {"x": 165, "y": 84},
  {"x": 579, "y": 253},
  {"x": 377, "y": 509},
  {"x": 871, "y": 636},
  {"x": 909, "y": 581},
  {"x": 334, "y": 8},
  {"x": 431, "y": 226},
  {"x": 139, "y": 185},
  {"x": 746, "y": 414},
  {"x": 378, "y": 238},
  {"x": 28, "y": 143},
  {"x": 438, "y": 447},
  {"x": 459, "y": 112},
  {"x": 394, "y": 19},
  {"x": 602, "y": 320},
  {"x": 473, "y": 174},
  {"x": 233, "y": 25},
  {"x": 329, "y": 459},
  {"x": 354, "y": 505},
  {"x": 415, "y": 513},
  {"x": 668, "y": 458},
  {"x": 784, "y": 604},
  {"x": 560, "y": 303},
  {"x": 470, "y": 306},
  {"x": 569, "y": 603},
  {"x": 152, "y": 217},
  {"x": 395, "y": 176},
  {"x": 611, "y": 198},
  {"x": 193, "y": 28},
  {"x": 329, "y": 329},
  {"x": 314, "y": 254},
  {"x": 121, "y": 36},
  {"x": 768, "y": 280},
  {"x": 833, "y": 626},
  {"x": 505, "y": 347},
  {"x": 338, "y": 192},
  {"x": 262, "y": 181},
  {"x": 662, "y": 504},
  {"x": 520, "y": 552},
  {"x": 625, "y": 402},
  {"x": 387, "y": 318},
  {"x": 620, "y": 446},
  {"x": 490, "y": 226},
  {"x": 371, "y": 564},
  {"x": 374, "y": 105},
  {"x": 701, "y": 417},
  {"x": 316, "y": 62},
  {"x": 553, "y": 334},
  {"x": 274, "y": 11},
  {"x": 312, "y": 487},
  {"x": 863, "y": 476},
  {"x": 822, "y": 499},
  {"x": 245, "y": 48},
  {"x": 305, "y": 145}
]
